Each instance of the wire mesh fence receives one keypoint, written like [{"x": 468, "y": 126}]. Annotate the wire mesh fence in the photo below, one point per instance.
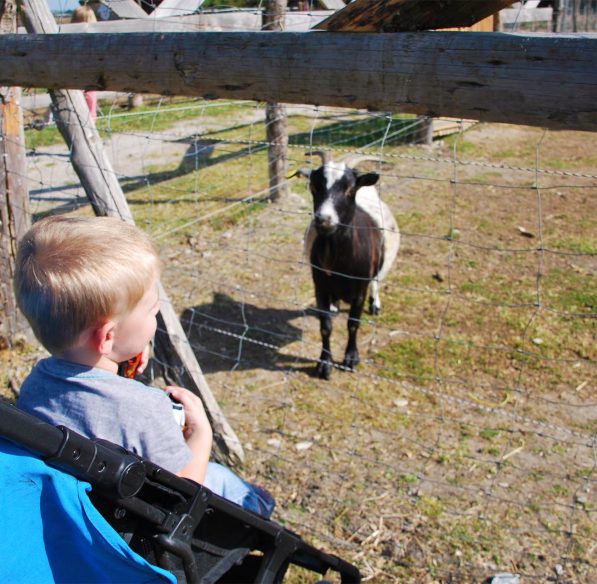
[{"x": 464, "y": 444}]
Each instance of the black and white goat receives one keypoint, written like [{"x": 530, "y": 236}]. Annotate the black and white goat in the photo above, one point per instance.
[{"x": 351, "y": 243}]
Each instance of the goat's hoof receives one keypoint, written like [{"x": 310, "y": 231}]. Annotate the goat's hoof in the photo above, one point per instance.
[
  {"x": 350, "y": 362},
  {"x": 324, "y": 370}
]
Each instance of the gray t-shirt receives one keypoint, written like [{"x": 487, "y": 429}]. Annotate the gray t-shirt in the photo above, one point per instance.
[{"x": 100, "y": 404}]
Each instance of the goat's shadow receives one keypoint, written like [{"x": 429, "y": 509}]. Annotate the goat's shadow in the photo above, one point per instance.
[{"x": 231, "y": 335}]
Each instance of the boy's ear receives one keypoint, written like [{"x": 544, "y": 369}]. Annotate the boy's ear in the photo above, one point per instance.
[{"x": 103, "y": 337}]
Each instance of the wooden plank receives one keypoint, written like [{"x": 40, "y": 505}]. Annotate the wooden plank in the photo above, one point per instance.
[
  {"x": 447, "y": 126},
  {"x": 170, "y": 8},
  {"x": 520, "y": 15},
  {"x": 485, "y": 25},
  {"x": 332, "y": 4},
  {"x": 125, "y": 8},
  {"x": 232, "y": 21},
  {"x": 102, "y": 188},
  {"x": 409, "y": 15},
  {"x": 540, "y": 79}
]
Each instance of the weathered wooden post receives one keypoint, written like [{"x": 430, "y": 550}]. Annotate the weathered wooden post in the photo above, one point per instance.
[
  {"x": 276, "y": 118},
  {"x": 78, "y": 130},
  {"x": 15, "y": 217},
  {"x": 106, "y": 196},
  {"x": 424, "y": 130},
  {"x": 555, "y": 16}
]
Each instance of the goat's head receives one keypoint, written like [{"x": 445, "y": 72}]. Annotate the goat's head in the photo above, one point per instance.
[{"x": 334, "y": 186}]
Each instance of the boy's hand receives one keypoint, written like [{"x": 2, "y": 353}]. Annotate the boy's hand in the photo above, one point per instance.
[
  {"x": 196, "y": 420},
  {"x": 197, "y": 433}
]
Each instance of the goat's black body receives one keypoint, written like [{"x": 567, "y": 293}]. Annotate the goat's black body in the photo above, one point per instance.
[
  {"x": 343, "y": 264},
  {"x": 347, "y": 245}
]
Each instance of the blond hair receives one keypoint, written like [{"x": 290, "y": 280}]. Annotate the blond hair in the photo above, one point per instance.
[
  {"x": 73, "y": 273},
  {"x": 83, "y": 14}
]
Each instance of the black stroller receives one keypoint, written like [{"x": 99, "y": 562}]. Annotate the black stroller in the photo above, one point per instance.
[{"x": 80, "y": 510}]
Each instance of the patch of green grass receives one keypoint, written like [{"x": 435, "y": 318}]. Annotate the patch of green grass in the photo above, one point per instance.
[
  {"x": 572, "y": 244},
  {"x": 569, "y": 291},
  {"x": 489, "y": 176},
  {"x": 414, "y": 221},
  {"x": 359, "y": 132},
  {"x": 40, "y": 138},
  {"x": 500, "y": 288},
  {"x": 476, "y": 288},
  {"x": 161, "y": 117},
  {"x": 559, "y": 490},
  {"x": 431, "y": 507},
  {"x": 144, "y": 118},
  {"x": 489, "y": 433},
  {"x": 462, "y": 146},
  {"x": 407, "y": 358},
  {"x": 484, "y": 225},
  {"x": 409, "y": 479}
]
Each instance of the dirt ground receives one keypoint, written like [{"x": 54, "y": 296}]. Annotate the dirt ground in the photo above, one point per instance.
[{"x": 465, "y": 443}]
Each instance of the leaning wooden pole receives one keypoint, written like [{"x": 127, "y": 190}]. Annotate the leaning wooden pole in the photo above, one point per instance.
[
  {"x": 102, "y": 187},
  {"x": 541, "y": 80},
  {"x": 15, "y": 217}
]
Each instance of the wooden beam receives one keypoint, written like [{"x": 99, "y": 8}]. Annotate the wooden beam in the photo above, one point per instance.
[
  {"x": 410, "y": 15},
  {"x": 541, "y": 80}
]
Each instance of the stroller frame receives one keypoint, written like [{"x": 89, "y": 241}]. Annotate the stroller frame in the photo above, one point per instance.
[{"x": 172, "y": 522}]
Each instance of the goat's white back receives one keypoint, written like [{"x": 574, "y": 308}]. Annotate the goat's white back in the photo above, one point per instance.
[{"x": 368, "y": 200}]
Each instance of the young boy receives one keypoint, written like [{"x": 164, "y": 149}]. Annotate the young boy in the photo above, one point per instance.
[{"x": 89, "y": 289}]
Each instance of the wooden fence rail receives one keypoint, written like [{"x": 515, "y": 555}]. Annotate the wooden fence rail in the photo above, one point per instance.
[{"x": 533, "y": 79}]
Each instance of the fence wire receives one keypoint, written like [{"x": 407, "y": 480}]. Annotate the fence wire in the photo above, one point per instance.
[{"x": 465, "y": 444}]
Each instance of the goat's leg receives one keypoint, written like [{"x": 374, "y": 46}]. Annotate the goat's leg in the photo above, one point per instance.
[
  {"x": 324, "y": 303},
  {"x": 351, "y": 356},
  {"x": 374, "y": 301},
  {"x": 324, "y": 367}
]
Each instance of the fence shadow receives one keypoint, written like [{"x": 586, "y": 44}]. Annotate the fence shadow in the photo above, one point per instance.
[
  {"x": 227, "y": 334},
  {"x": 201, "y": 152}
]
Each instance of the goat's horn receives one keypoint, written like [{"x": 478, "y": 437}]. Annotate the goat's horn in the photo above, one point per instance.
[
  {"x": 351, "y": 160},
  {"x": 323, "y": 154},
  {"x": 304, "y": 172}
]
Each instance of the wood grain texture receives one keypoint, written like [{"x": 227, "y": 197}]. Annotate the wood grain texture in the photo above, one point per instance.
[
  {"x": 541, "y": 80},
  {"x": 410, "y": 15}
]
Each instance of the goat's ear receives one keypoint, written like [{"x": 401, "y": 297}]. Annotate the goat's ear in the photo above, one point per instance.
[{"x": 367, "y": 180}]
